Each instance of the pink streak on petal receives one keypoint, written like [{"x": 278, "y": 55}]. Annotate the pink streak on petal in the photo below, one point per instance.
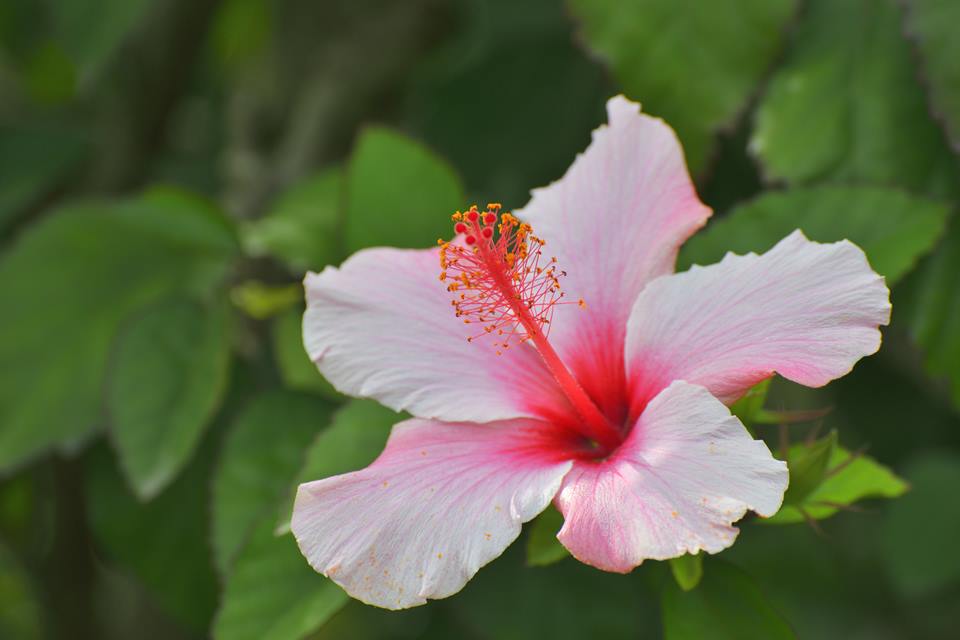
[
  {"x": 687, "y": 471},
  {"x": 441, "y": 501},
  {"x": 381, "y": 326},
  {"x": 614, "y": 221},
  {"x": 805, "y": 310}
]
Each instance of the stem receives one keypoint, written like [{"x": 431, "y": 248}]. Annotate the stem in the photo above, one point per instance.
[
  {"x": 70, "y": 572},
  {"x": 594, "y": 426}
]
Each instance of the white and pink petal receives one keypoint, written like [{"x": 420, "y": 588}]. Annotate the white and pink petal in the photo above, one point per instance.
[
  {"x": 685, "y": 474},
  {"x": 441, "y": 501},
  {"x": 803, "y": 309},
  {"x": 614, "y": 221},
  {"x": 381, "y": 326}
]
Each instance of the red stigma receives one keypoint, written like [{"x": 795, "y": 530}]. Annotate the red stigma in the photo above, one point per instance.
[
  {"x": 460, "y": 228},
  {"x": 473, "y": 215},
  {"x": 471, "y": 240},
  {"x": 489, "y": 218},
  {"x": 487, "y": 232}
]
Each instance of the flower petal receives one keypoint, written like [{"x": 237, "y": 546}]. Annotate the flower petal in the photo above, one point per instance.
[
  {"x": 441, "y": 501},
  {"x": 381, "y": 326},
  {"x": 805, "y": 310},
  {"x": 687, "y": 471},
  {"x": 614, "y": 221}
]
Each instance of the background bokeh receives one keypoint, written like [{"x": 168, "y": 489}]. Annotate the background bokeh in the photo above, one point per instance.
[{"x": 170, "y": 168}]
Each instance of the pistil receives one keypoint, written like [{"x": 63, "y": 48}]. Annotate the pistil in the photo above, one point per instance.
[{"x": 502, "y": 283}]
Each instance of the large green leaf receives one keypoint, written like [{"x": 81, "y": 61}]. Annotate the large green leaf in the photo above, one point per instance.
[
  {"x": 843, "y": 480},
  {"x": 933, "y": 26},
  {"x": 68, "y": 283},
  {"x": 930, "y": 302},
  {"x": 726, "y": 604},
  {"x": 920, "y": 534},
  {"x": 163, "y": 542},
  {"x": 399, "y": 193},
  {"x": 167, "y": 377},
  {"x": 303, "y": 227},
  {"x": 273, "y": 593},
  {"x": 847, "y": 105},
  {"x": 355, "y": 437},
  {"x": 260, "y": 458},
  {"x": 695, "y": 66},
  {"x": 893, "y": 228}
]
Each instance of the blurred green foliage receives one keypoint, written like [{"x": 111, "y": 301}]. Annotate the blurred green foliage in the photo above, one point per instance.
[{"x": 170, "y": 168}]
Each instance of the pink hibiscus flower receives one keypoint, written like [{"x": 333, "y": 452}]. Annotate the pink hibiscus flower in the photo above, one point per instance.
[{"x": 615, "y": 412}]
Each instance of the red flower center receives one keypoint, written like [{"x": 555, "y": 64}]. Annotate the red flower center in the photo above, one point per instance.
[{"x": 503, "y": 285}]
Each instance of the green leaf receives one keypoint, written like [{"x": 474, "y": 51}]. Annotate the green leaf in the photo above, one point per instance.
[
  {"x": 919, "y": 536},
  {"x": 355, "y": 437},
  {"x": 893, "y": 228},
  {"x": 296, "y": 368},
  {"x": 808, "y": 467},
  {"x": 260, "y": 458},
  {"x": 696, "y": 67},
  {"x": 932, "y": 24},
  {"x": 33, "y": 161},
  {"x": 21, "y": 614},
  {"x": 687, "y": 570},
  {"x": 727, "y": 604},
  {"x": 67, "y": 285},
  {"x": 303, "y": 227},
  {"x": 930, "y": 303},
  {"x": 399, "y": 194},
  {"x": 543, "y": 548},
  {"x": 847, "y": 480},
  {"x": 167, "y": 378},
  {"x": 273, "y": 593},
  {"x": 750, "y": 407},
  {"x": 163, "y": 542},
  {"x": 847, "y": 105}
]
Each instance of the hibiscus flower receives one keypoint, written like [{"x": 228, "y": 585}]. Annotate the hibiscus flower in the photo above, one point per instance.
[{"x": 558, "y": 358}]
